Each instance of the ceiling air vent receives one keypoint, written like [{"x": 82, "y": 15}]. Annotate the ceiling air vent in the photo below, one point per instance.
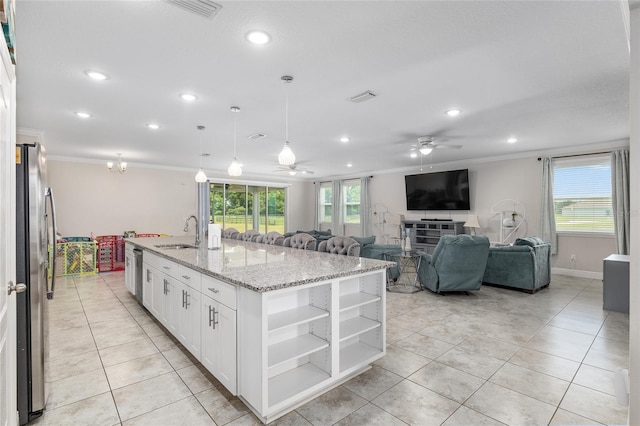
[
  {"x": 205, "y": 8},
  {"x": 364, "y": 96}
]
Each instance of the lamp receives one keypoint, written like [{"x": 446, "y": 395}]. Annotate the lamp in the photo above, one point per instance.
[
  {"x": 472, "y": 222},
  {"x": 201, "y": 177},
  {"x": 235, "y": 169},
  {"x": 122, "y": 165},
  {"x": 286, "y": 156},
  {"x": 425, "y": 150}
]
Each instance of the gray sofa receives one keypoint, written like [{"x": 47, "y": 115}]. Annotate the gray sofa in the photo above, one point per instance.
[{"x": 526, "y": 265}]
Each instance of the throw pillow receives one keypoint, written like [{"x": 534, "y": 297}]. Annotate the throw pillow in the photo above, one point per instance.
[
  {"x": 528, "y": 241},
  {"x": 363, "y": 241}
]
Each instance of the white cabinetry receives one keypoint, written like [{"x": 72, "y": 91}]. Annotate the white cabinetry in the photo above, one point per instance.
[
  {"x": 130, "y": 268},
  {"x": 218, "y": 323},
  {"x": 204, "y": 324},
  {"x": 316, "y": 336}
]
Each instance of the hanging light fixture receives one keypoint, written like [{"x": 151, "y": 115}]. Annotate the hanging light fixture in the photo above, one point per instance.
[
  {"x": 235, "y": 169},
  {"x": 122, "y": 165},
  {"x": 286, "y": 156},
  {"x": 201, "y": 176}
]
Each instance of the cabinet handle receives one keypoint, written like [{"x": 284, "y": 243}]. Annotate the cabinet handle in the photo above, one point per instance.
[
  {"x": 166, "y": 286},
  {"x": 215, "y": 321},
  {"x": 186, "y": 300},
  {"x": 167, "y": 267},
  {"x": 127, "y": 262},
  {"x": 148, "y": 275},
  {"x": 215, "y": 290},
  {"x": 211, "y": 310},
  {"x": 183, "y": 298},
  {"x": 186, "y": 277}
]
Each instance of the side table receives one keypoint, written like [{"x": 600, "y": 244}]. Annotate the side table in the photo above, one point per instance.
[
  {"x": 615, "y": 283},
  {"x": 408, "y": 263}
]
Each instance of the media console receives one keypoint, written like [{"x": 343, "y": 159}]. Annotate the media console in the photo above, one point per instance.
[{"x": 425, "y": 234}]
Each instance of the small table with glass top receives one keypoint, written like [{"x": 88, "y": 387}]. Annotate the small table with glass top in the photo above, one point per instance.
[{"x": 408, "y": 265}]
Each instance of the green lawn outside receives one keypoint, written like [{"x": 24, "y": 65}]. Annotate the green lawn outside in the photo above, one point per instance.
[
  {"x": 276, "y": 223},
  {"x": 584, "y": 223}
]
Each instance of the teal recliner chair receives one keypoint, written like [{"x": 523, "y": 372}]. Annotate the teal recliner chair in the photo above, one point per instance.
[
  {"x": 457, "y": 264},
  {"x": 526, "y": 265}
]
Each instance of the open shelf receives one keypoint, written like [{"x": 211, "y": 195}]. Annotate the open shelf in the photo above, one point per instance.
[
  {"x": 354, "y": 326},
  {"x": 295, "y": 381},
  {"x": 355, "y": 354},
  {"x": 295, "y": 316},
  {"x": 297, "y": 347},
  {"x": 354, "y": 300}
]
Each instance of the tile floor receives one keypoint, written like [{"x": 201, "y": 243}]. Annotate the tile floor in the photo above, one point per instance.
[{"x": 493, "y": 357}]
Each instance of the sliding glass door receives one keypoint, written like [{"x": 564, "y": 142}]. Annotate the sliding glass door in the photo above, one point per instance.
[{"x": 248, "y": 207}]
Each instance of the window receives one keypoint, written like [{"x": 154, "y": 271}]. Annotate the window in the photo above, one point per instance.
[
  {"x": 582, "y": 194},
  {"x": 326, "y": 202},
  {"x": 248, "y": 207},
  {"x": 351, "y": 201}
]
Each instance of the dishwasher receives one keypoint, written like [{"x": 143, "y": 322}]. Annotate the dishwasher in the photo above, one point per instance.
[{"x": 137, "y": 255}]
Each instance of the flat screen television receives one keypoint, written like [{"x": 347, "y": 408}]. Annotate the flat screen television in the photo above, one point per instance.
[{"x": 438, "y": 191}]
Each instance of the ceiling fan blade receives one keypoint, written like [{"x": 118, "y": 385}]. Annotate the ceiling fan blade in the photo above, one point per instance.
[{"x": 446, "y": 146}]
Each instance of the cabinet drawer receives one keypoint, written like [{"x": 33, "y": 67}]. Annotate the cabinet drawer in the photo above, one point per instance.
[
  {"x": 219, "y": 291},
  {"x": 189, "y": 277},
  {"x": 168, "y": 267},
  {"x": 152, "y": 259}
]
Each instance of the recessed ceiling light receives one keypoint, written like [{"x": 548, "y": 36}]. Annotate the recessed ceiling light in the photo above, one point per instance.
[
  {"x": 453, "y": 112},
  {"x": 188, "y": 97},
  {"x": 82, "y": 114},
  {"x": 258, "y": 37},
  {"x": 344, "y": 139},
  {"x": 512, "y": 140},
  {"x": 349, "y": 165},
  {"x": 414, "y": 154},
  {"x": 153, "y": 126}
]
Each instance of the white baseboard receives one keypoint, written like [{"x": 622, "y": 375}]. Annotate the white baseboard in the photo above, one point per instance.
[{"x": 576, "y": 273}]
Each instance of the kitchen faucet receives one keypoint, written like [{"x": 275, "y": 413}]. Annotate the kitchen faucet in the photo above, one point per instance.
[{"x": 186, "y": 228}]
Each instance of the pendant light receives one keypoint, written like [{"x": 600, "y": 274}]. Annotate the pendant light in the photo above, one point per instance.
[
  {"x": 286, "y": 156},
  {"x": 201, "y": 176},
  {"x": 235, "y": 169}
]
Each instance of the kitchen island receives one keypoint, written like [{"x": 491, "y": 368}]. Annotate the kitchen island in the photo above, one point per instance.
[{"x": 277, "y": 326}]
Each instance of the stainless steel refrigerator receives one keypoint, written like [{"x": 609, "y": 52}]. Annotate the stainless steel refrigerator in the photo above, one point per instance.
[{"x": 35, "y": 233}]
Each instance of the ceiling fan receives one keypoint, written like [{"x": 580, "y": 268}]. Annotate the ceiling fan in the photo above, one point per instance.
[
  {"x": 426, "y": 144},
  {"x": 293, "y": 169}
]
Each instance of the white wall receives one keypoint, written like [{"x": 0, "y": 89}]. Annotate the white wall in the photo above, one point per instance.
[
  {"x": 491, "y": 182},
  {"x": 90, "y": 199},
  {"x": 634, "y": 290}
]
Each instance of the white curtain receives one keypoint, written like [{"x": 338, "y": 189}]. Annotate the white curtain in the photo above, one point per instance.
[
  {"x": 547, "y": 213},
  {"x": 620, "y": 199},
  {"x": 337, "y": 221},
  {"x": 365, "y": 207},
  {"x": 316, "y": 218}
]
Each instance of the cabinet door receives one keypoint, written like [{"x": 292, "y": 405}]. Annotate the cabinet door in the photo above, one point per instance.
[
  {"x": 129, "y": 272},
  {"x": 218, "y": 344},
  {"x": 171, "y": 302},
  {"x": 227, "y": 361},
  {"x": 192, "y": 323},
  {"x": 208, "y": 334}
]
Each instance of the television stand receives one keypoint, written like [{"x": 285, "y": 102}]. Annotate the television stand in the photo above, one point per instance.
[{"x": 425, "y": 233}]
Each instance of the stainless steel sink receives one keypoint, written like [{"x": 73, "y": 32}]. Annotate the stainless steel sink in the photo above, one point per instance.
[{"x": 175, "y": 246}]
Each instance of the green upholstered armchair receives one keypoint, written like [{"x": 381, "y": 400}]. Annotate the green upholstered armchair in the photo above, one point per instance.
[
  {"x": 526, "y": 265},
  {"x": 371, "y": 250},
  {"x": 457, "y": 263}
]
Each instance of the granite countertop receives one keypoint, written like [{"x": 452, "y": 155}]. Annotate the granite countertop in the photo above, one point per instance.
[{"x": 260, "y": 267}]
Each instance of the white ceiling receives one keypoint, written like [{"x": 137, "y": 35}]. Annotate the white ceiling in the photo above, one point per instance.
[{"x": 551, "y": 73}]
